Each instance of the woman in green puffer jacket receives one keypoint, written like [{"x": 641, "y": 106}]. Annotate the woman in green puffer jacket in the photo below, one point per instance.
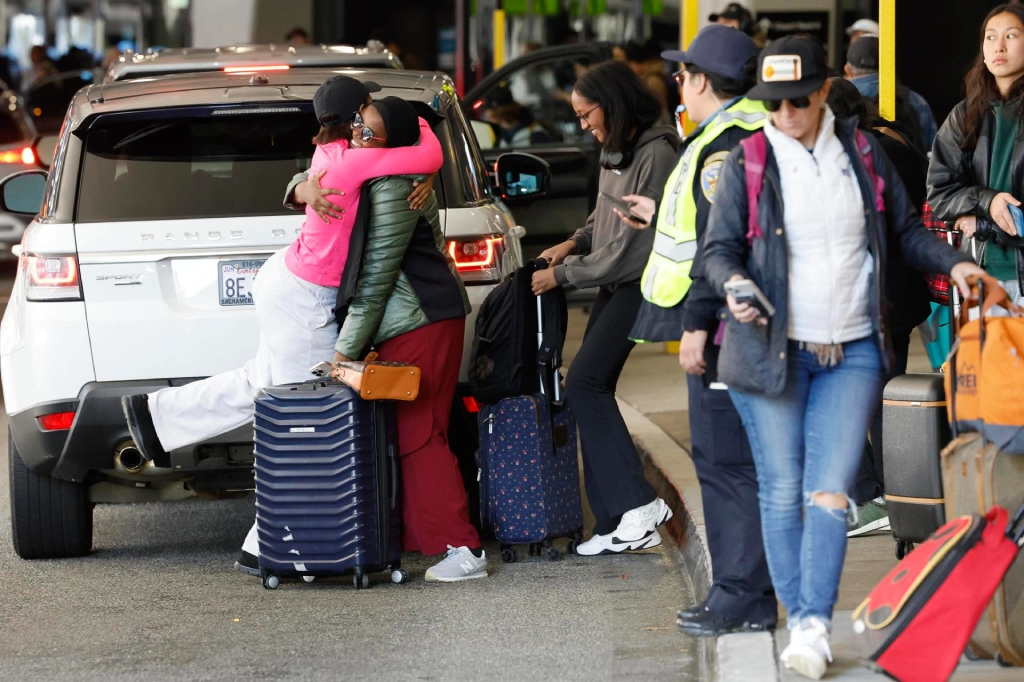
[{"x": 409, "y": 303}]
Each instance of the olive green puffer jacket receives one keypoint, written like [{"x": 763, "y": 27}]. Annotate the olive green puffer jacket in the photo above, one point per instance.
[{"x": 406, "y": 278}]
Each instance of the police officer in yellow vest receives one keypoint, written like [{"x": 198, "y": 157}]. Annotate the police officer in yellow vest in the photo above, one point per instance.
[{"x": 717, "y": 71}]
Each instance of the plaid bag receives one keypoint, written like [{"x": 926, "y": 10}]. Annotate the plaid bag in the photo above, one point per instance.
[{"x": 938, "y": 285}]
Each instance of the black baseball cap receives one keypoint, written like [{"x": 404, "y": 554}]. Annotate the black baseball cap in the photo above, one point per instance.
[
  {"x": 342, "y": 96},
  {"x": 863, "y": 54},
  {"x": 721, "y": 50},
  {"x": 789, "y": 68},
  {"x": 733, "y": 10}
]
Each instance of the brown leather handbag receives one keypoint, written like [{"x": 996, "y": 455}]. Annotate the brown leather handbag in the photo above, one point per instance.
[{"x": 375, "y": 380}]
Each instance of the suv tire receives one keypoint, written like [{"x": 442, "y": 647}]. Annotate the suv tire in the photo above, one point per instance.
[{"x": 50, "y": 518}]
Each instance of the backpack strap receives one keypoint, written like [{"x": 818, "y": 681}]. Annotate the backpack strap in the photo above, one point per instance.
[
  {"x": 867, "y": 155},
  {"x": 755, "y": 156}
]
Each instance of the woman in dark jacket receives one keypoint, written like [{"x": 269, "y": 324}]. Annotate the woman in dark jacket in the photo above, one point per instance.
[
  {"x": 977, "y": 167},
  {"x": 409, "y": 304},
  {"x": 637, "y": 156},
  {"x": 806, "y": 380}
]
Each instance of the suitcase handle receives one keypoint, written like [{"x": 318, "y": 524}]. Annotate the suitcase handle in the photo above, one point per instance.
[
  {"x": 1014, "y": 532},
  {"x": 394, "y": 477}
]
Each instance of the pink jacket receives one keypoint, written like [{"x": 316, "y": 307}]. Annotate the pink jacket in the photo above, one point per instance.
[{"x": 319, "y": 253}]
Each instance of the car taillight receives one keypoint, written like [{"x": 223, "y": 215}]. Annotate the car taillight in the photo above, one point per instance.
[
  {"x": 478, "y": 260},
  {"x": 255, "y": 69},
  {"x": 25, "y": 156},
  {"x": 472, "y": 406},
  {"x": 59, "y": 421},
  {"x": 51, "y": 278}
]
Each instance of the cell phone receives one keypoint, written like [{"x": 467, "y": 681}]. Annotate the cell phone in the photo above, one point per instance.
[
  {"x": 321, "y": 369},
  {"x": 745, "y": 291},
  {"x": 1018, "y": 219},
  {"x": 623, "y": 206}
]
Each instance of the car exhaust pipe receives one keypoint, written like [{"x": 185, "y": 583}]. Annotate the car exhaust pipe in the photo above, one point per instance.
[{"x": 128, "y": 458}]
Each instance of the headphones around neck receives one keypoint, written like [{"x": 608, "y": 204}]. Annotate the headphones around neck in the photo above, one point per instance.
[{"x": 616, "y": 160}]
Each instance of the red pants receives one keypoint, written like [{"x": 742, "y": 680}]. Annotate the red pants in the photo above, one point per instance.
[{"x": 435, "y": 512}]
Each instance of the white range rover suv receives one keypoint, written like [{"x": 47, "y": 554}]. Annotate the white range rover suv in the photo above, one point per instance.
[{"x": 163, "y": 198}]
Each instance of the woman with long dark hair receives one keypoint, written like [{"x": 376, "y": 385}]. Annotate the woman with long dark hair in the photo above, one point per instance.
[
  {"x": 976, "y": 172},
  {"x": 637, "y": 156}
]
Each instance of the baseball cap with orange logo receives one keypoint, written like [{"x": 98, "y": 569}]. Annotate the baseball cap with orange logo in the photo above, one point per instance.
[{"x": 790, "y": 68}]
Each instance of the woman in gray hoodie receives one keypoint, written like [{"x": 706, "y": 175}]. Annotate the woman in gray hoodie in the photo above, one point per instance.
[{"x": 636, "y": 158}]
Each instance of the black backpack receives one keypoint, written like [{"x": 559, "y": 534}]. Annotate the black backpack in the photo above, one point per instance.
[{"x": 508, "y": 358}]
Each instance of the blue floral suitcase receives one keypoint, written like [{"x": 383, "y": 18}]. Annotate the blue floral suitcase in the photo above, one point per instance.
[
  {"x": 327, "y": 484},
  {"x": 529, "y": 476}
]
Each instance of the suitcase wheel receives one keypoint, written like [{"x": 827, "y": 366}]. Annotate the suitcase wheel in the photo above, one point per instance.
[
  {"x": 903, "y": 548},
  {"x": 361, "y": 581},
  {"x": 271, "y": 581},
  {"x": 399, "y": 576},
  {"x": 1003, "y": 663},
  {"x": 308, "y": 578},
  {"x": 574, "y": 543},
  {"x": 508, "y": 555}
]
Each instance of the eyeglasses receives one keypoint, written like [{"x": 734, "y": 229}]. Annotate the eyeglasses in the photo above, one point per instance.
[
  {"x": 798, "y": 103},
  {"x": 585, "y": 117}
]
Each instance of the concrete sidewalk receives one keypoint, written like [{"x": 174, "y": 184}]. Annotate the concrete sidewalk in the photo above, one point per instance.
[{"x": 653, "y": 396}]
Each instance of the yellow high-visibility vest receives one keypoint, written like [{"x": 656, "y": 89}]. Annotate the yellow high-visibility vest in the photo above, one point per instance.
[{"x": 667, "y": 276}]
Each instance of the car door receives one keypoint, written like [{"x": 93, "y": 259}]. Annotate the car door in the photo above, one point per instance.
[{"x": 525, "y": 107}]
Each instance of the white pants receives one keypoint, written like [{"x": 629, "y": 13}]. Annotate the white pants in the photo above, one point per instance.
[{"x": 297, "y": 331}]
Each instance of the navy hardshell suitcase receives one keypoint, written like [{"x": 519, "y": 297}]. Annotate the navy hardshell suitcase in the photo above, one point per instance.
[
  {"x": 529, "y": 476},
  {"x": 327, "y": 484}
]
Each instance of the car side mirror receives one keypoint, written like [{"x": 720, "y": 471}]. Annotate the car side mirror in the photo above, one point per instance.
[
  {"x": 521, "y": 175},
  {"x": 22, "y": 193},
  {"x": 45, "y": 147}
]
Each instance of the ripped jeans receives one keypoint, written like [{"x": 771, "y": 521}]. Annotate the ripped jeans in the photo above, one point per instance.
[{"x": 809, "y": 440}]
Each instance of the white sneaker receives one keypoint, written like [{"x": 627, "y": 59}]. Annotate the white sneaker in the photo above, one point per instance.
[
  {"x": 607, "y": 544},
  {"x": 458, "y": 564},
  {"x": 809, "y": 652},
  {"x": 637, "y": 524}
]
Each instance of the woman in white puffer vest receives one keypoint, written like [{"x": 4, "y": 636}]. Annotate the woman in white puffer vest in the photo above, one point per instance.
[{"x": 807, "y": 380}]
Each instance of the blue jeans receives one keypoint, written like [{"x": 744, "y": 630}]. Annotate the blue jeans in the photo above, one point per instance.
[{"x": 809, "y": 440}]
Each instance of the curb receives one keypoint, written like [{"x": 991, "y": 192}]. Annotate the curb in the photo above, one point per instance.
[{"x": 731, "y": 658}]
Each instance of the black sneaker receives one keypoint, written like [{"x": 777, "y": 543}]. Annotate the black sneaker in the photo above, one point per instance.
[
  {"x": 140, "y": 426},
  {"x": 690, "y": 613},
  {"x": 248, "y": 564},
  {"x": 712, "y": 624}
]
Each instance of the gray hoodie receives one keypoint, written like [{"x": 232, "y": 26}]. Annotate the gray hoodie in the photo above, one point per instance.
[{"x": 610, "y": 252}]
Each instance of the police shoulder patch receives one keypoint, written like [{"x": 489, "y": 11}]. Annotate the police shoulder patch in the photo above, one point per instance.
[{"x": 709, "y": 174}]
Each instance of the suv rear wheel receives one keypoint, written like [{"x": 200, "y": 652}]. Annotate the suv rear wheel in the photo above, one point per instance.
[{"x": 50, "y": 518}]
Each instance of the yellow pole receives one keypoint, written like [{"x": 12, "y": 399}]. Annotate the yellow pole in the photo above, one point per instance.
[
  {"x": 499, "y": 38},
  {"x": 887, "y": 59}
]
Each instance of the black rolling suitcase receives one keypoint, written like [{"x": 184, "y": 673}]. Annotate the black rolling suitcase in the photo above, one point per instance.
[
  {"x": 327, "y": 484},
  {"x": 915, "y": 430}
]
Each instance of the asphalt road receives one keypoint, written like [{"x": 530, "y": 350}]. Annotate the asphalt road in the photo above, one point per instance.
[{"x": 159, "y": 600}]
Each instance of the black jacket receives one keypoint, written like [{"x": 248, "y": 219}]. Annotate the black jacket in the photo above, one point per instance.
[
  {"x": 754, "y": 357},
  {"x": 958, "y": 180},
  {"x": 905, "y": 286}
]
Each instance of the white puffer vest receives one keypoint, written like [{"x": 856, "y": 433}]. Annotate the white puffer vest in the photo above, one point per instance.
[{"x": 829, "y": 263}]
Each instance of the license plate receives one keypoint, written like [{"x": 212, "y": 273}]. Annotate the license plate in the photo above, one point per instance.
[{"x": 236, "y": 280}]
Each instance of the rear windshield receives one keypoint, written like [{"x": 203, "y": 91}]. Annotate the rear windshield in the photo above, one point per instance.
[{"x": 205, "y": 164}]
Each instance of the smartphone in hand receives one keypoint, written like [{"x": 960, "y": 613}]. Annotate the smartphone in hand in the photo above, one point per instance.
[
  {"x": 1018, "y": 219},
  {"x": 746, "y": 291},
  {"x": 623, "y": 206}
]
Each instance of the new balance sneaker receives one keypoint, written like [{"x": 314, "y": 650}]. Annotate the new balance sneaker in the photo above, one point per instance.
[
  {"x": 809, "y": 651},
  {"x": 870, "y": 517},
  {"x": 247, "y": 563},
  {"x": 458, "y": 564},
  {"x": 609, "y": 544},
  {"x": 637, "y": 524},
  {"x": 140, "y": 425}
]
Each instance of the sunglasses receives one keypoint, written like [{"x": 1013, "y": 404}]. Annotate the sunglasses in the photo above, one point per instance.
[
  {"x": 679, "y": 76},
  {"x": 798, "y": 103},
  {"x": 365, "y": 133}
]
